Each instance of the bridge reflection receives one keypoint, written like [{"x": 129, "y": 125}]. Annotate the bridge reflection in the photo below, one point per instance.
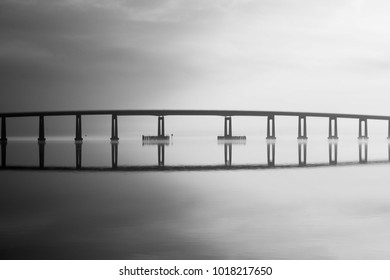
[{"x": 227, "y": 159}]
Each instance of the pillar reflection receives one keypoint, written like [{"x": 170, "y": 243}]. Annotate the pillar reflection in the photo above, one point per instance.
[
  {"x": 302, "y": 152},
  {"x": 114, "y": 154},
  {"x": 3, "y": 154},
  {"x": 271, "y": 153},
  {"x": 41, "y": 154},
  {"x": 363, "y": 151},
  {"x": 78, "y": 154},
  {"x": 228, "y": 153},
  {"x": 333, "y": 152},
  {"x": 161, "y": 154}
]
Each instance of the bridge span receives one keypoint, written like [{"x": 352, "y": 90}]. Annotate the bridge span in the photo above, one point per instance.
[{"x": 227, "y": 114}]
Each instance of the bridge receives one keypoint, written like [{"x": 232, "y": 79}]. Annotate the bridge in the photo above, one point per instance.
[{"x": 227, "y": 114}]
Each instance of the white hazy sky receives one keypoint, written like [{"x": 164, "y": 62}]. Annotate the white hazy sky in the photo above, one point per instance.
[{"x": 323, "y": 56}]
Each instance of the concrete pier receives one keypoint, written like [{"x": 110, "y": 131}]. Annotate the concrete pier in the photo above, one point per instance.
[
  {"x": 161, "y": 137},
  {"x": 363, "y": 129},
  {"x": 228, "y": 132},
  {"x": 333, "y": 135},
  {"x": 333, "y": 153},
  {"x": 114, "y": 128},
  {"x": 271, "y": 127},
  {"x": 302, "y": 131},
  {"x": 3, "y": 130},
  {"x": 41, "y": 138},
  {"x": 271, "y": 154},
  {"x": 78, "y": 137}
]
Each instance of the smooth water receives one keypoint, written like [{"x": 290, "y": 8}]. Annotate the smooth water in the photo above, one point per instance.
[{"x": 193, "y": 203}]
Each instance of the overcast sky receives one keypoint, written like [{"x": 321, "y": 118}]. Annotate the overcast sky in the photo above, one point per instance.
[{"x": 323, "y": 56}]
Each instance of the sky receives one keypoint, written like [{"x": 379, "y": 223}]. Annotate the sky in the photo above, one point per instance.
[{"x": 317, "y": 56}]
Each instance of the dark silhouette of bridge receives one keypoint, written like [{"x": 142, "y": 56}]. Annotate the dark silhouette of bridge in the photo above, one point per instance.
[{"x": 228, "y": 139}]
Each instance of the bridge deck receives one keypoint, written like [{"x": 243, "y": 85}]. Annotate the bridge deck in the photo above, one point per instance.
[{"x": 191, "y": 113}]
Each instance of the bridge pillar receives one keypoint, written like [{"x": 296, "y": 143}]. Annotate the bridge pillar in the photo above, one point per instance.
[
  {"x": 114, "y": 154},
  {"x": 114, "y": 128},
  {"x": 41, "y": 154},
  {"x": 302, "y": 148},
  {"x": 333, "y": 153},
  {"x": 78, "y": 154},
  {"x": 271, "y": 154},
  {"x": 363, "y": 152},
  {"x": 3, "y": 154},
  {"x": 228, "y": 127},
  {"x": 78, "y": 129},
  {"x": 3, "y": 130},
  {"x": 228, "y": 154},
  {"x": 363, "y": 131},
  {"x": 161, "y": 154},
  {"x": 41, "y": 129},
  {"x": 161, "y": 127},
  {"x": 302, "y": 131},
  {"x": 333, "y": 128},
  {"x": 271, "y": 127}
]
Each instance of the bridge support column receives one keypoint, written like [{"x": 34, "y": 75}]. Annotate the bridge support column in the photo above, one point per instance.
[
  {"x": 78, "y": 154},
  {"x": 228, "y": 154},
  {"x": 114, "y": 128},
  {"x": 363, "y": 152},
  {"x": 78, "y": 129},
  {"x": 161, "y": 154},
  {"x": 41, "y": 129},
  {"x": 363, "y": 129},
  {"x": 3, "y": 130},
  {"x": 271, "y": 154},
  {"x": 161, "y": 127},
  {"x": 302, "y": 148},
  {"x": 271, "y": 127},
  {"x": 114, "y": 154},
  {"x": 41, "y": 154},
  {"x": 333, "y": 129},
  {"x": 302, "y": 131},
  {"x": 3, "y": 154},
  {"x": 228, "y": 127},
  {"x": 333, "y": 153}
]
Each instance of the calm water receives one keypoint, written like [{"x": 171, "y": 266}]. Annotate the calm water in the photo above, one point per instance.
[{"x": 317, "y": 211}]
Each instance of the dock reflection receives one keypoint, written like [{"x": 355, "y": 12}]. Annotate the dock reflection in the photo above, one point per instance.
[
  {"x": 160, "y": 143},
  {"x": 228, "y": 148}
]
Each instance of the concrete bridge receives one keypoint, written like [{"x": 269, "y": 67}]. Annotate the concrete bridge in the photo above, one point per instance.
[{"x": 227, "y": 114}]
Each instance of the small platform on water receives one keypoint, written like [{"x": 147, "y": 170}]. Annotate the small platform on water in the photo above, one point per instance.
[{"x": 152, "y": 140}]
